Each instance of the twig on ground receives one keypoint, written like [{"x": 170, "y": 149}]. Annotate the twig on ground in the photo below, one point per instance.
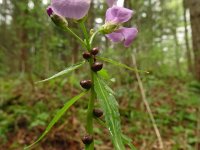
[{"x": 142, "y": 90}]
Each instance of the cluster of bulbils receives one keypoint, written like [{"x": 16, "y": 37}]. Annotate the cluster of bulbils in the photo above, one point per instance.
[
  {"x": 87, "y": 84},
  {"x": 96, "y": 66}
]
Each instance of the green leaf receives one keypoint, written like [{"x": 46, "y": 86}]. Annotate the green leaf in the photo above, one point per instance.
[
  {"x": 59, "y": 114},
  {"x": 110, "y": 108},
  {"x": 128, "y": 142},
  {"x": 116, "y": 63},
  {"x": 67, "y": 70},
  {"x": 104, "y": 74}
]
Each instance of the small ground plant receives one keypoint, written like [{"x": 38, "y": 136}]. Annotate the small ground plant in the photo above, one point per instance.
[{"x": 108, "y": 115}]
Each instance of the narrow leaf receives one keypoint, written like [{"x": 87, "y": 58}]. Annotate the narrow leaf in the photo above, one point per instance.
[
  {"x": 110, "y": 108},
  {"x": 126, "y": 139},
  {"x": 116, "y": 63},
  {"x": 59, "y": 114},
  {"x": 128, "y": 142},
  {"x": 67, "y": 70}
]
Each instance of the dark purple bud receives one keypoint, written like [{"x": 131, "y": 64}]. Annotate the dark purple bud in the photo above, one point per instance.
[
  {"x": 95, "y": 51},
  {"x": 97, "y": 66},
  {"x": 97, "y": 113},
  {"x": 86, "y": 55},
  {"x": 87, "y": 139},
  {"x": 49, "y": 11},
  {"x": 86, "y": 84}
]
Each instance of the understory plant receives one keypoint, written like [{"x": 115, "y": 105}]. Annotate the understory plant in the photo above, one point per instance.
[{"x": 108, "y": 114}]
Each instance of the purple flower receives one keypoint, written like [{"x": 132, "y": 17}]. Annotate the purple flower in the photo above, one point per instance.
[
  {"x": 74, "y": 9},
  {"x": 115, "y": 16},
  {"x": 127, "y": 35},
  {"x": 118, "y": 15}
]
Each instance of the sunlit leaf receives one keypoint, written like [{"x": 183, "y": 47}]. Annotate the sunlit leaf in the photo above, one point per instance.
[
  {"x": 59, "y": 114},
  {"x": 110, "y": 108},
  {"x": 67, "y": 70},
  {"x": 116, "y": 63}
]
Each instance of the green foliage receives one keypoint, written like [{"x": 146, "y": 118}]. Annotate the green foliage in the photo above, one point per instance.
[
  {"x": 32, "y": 47},
  {"x": 58, "y": 115},
  {"x": 110, "y": 108},
  {"x": 65, "y": 71},
  {"x": 118, "y": 64}
]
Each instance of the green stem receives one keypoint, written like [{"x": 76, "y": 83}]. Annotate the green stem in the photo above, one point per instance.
[
  {"x": 93, "y": 36},
  {"x": 82, "y": 25},
  {"x": 76, "y": 36},
  {"x": 89, "y": 125}
]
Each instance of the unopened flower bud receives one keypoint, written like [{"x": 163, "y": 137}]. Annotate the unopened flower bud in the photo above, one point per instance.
[
  {"x": 49, "y": 11},
  {"x": 97, "y": 113},
  {"x": 97, "y": 66},
  {"x": 57, "y": 19},
  {"x": 86, "y": 55},
  {"x": 95, "y": 51},
  {"x": 87, "y": 139},
  {"x": 86, "y": 84}
]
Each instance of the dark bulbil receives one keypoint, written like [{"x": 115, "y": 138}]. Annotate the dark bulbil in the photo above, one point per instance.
[
  {"x": 97, "y": 113},
  {"x": 97, "y": 66},
  {"x": 86, "y": 84},
  {"x": 87, "y": 139},
  {"x": 86, "y": 55},
  {"x": 95, "y": 51}
]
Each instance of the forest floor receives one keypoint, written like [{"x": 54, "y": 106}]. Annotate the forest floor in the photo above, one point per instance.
[{"x": 26, "y": 109}]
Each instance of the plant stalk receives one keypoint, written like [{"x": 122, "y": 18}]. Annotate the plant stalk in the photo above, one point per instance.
[{"x": 89, "y": 122}]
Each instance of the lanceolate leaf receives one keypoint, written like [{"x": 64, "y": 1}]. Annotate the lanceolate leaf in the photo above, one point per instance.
[
  {"x": 59, "y": 114},
  {"x": 116, "y": 63},
  {"x": 110, "y": 108},
  {"x": 67, "y": 70},
  {"x": 128, "y": 142}
]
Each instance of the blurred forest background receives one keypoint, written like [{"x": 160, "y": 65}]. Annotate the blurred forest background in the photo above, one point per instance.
[{"x": 32, "y": 49}]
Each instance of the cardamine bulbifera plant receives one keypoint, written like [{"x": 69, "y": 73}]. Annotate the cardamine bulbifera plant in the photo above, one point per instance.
[{"x": 108, "y": 115}]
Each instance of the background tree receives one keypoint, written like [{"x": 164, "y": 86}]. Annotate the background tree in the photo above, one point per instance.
[{"x": 195, "y": 20}]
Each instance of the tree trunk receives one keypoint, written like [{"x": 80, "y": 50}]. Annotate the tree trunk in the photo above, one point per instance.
[
  {"x": 177, "y": 56},
  {"x": 194, "y": 6},
  {"x": 187, "y": 45}
]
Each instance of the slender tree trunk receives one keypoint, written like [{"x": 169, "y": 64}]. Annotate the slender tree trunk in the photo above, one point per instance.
[
  {"x": 188, "y": 50},
  {"x": 177, "y": 56},
  {"x": 24, "y": 67},
  {"x": 194, "y": 6}
]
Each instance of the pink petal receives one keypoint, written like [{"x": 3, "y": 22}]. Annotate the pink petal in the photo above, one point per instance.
[
  {"x": 118, "y": 14},
  {"x": 129, "y": 35},
  {"x": 75, "y": 9},
  {"x": 123, "y": 34},
  {"x": 115, "y": 36}
]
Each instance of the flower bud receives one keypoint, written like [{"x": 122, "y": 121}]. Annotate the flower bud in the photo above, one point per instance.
[
  {"x": 97, "y": 66},
  {"x": 95, "y": 51},
  {"x": 97, "y": 113},
  {"x": 86, "y": 55},
  {"x": 86, "y": 84},
  {"x": 87, "y": 139},
  {"x": 57, "y": 19},
  {"x": 49, "y": 11}
]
